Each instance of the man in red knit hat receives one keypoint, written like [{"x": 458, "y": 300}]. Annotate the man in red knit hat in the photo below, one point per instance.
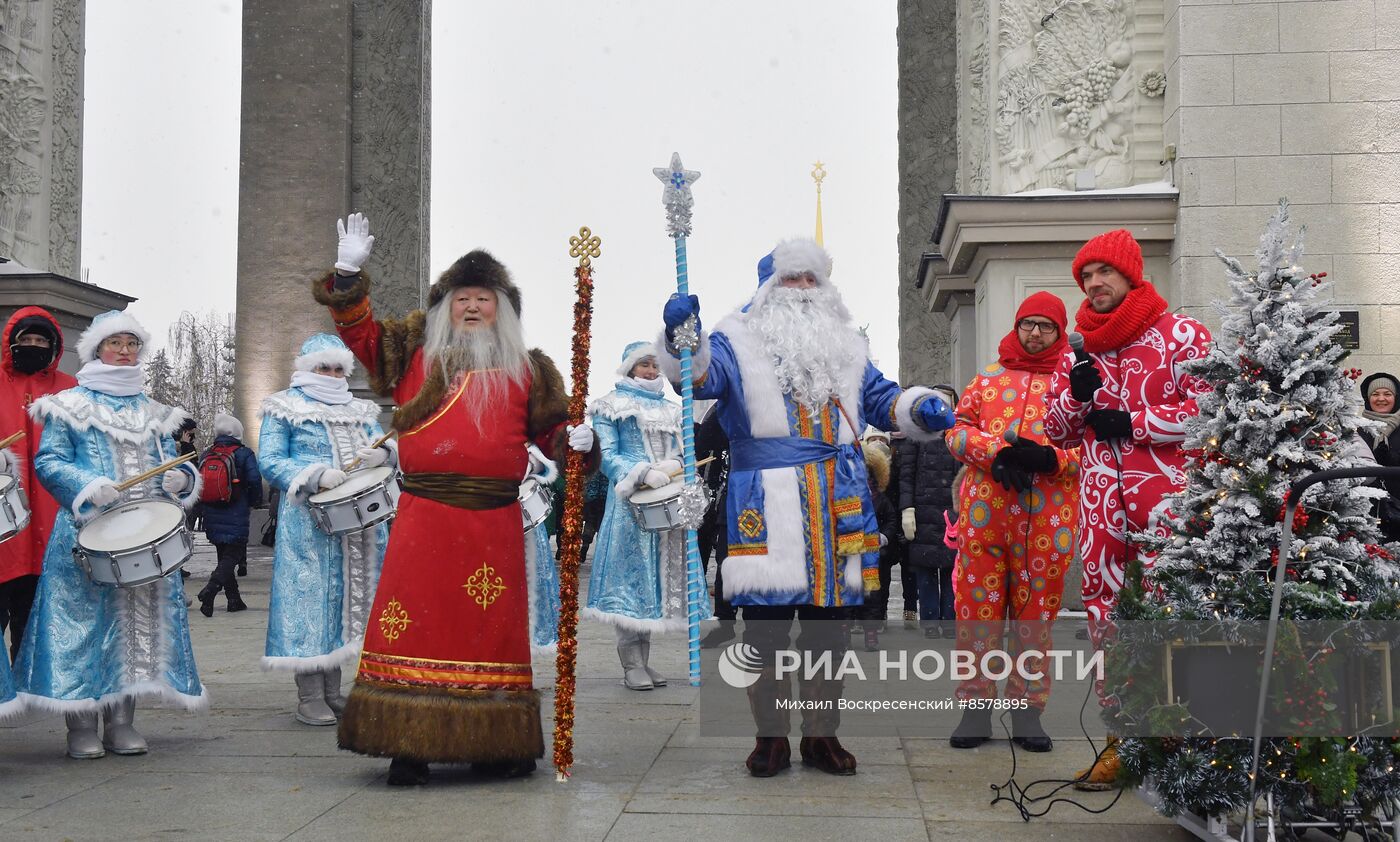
[
  {"x": 1017, "y": 519},
  {"x": 1124, "y": 402}
]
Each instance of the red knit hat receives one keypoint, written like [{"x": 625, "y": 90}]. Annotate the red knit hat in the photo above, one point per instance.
[{"x": 1116, "y": 248}]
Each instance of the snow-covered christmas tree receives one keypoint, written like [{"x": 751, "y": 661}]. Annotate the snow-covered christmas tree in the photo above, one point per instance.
[{"x": 1281, "y": 408}]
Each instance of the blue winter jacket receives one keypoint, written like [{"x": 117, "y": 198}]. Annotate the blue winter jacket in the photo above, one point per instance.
[{"x": 227, "y": 523}]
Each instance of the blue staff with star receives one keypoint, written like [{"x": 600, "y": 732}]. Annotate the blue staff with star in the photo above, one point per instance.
[{"x": 676, "y": 198}]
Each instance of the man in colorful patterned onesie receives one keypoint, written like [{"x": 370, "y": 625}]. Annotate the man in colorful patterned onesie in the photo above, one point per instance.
[
  {"x": 1124, "y": 403},
  {"x": 1017, "y": 522}
]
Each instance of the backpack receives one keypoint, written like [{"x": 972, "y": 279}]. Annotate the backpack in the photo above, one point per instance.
[{"x": 219, "y": 474}]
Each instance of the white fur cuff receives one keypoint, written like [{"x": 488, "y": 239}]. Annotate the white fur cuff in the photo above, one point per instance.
[
  {"x": 629, "y": 483},
  {"x": 307, "y": 482},
  {"x": 904, "y": 417},
  {"x": 671, "y": 366},
  {"x": 85, "y": 496}
]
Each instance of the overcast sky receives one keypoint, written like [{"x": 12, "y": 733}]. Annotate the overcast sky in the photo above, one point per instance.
[{"x": 554, "y": 118}]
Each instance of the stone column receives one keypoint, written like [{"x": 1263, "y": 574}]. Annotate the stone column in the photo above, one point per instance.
[
  {"x": 41, "y": 133},
  {"x": 335, "y": 119},
  {"x": 928, "y": 164}
]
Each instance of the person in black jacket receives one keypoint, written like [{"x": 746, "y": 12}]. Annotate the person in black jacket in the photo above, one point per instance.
[
  {"x": 710, "y": 441},
  {"x": 226, "y": 523},
  {"x": 1380, "y": 391},
  {"x": 926, "y": 472}
]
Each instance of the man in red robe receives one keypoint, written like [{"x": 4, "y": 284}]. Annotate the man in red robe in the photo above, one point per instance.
[
  {"x": 33, "y": 344},
  {"x": 445, "y": 673}
]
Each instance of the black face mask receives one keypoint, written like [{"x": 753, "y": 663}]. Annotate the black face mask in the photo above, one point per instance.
[{"x": 31, "y": 359}]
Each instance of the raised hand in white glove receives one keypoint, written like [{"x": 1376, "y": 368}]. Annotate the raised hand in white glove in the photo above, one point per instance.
[
  {"x": 355, "y": 243},
  {"x": 653, "y": 478},
  {"x": 580, "y": 437},
  {"x": 174, "y": 481},
  {"x": 669, "y": 467},
  {"x": 331, "y": 477},
  {"x": 372, "y": 457},
  {"x": 906, "y": 522},
  {"x": 104, "y": 495}
]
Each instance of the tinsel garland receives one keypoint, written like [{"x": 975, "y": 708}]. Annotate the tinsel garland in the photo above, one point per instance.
[{"x": 571, "y": 532}]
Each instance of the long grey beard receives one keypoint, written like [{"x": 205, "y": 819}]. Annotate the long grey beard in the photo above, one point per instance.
[
  {"x": 807, "y": 333},
  {"x": 480, "y": 351}
]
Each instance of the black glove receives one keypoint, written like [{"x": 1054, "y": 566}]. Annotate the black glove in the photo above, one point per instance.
[
  {"x": 1011, "y": 476},
  {"x": 1110, "y": 424},
  {"x": 1035, "y": 458},
  {"x": 1084, "y": 381}
]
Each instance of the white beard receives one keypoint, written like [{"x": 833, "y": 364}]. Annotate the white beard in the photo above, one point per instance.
[
  {"x": 497, "y": 353},
  {"x": 807, "y": 333}
]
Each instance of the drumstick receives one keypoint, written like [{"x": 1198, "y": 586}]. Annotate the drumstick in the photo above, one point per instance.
[
  {"x": 707, "y": 460},
  {"x": 158, "y": 469},
  {"x": 11, "y": 439},
  {"x": 356, "y": 463}
]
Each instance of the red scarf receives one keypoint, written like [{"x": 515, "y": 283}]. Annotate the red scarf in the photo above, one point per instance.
[
  {"x": 1016, "y": 358},
  {"x": 1139, "y": 310}
]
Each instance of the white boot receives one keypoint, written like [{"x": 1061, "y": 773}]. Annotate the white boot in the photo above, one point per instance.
[
  {"x": 120, "y": 736},
  {"x": 634, "y": 669},
  {"x": 657, "y": 679},
  {"x": 83, "y": 742},
  {"x": 334, "y": 699},
  {"x": 311, "y": 700}
]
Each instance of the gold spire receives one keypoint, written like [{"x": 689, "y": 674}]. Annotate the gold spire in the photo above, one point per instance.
[{"x": 819, "y": 173}]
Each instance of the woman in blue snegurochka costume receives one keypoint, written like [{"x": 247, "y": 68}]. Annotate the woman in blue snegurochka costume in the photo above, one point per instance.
[
  {"x": 638, "y": 580},
  {"x": 91, "y": 647},
  {"x": 10, "y": 705},
  {"x": 541, "y": 568},
  {"x": 322, "y": 585}
]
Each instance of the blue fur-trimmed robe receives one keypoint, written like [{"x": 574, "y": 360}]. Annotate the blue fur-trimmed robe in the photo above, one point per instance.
[
  {"x": 638, "y": 577},
  {"x": 322, "y": 585},
  {"x": 87, "y": 645},
  {"x": 803, "y": 535},
  {"x": 10, "y": 705}
]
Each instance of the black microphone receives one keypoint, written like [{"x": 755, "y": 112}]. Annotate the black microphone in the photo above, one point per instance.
[
  {"x": 1081, "y": 356},
  {"x": 1010, "y": 437}
]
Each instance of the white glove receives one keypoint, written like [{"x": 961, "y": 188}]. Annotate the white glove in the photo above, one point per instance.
[
  {"x": 653, "y": 478},
  {"x": 331, "y": 477},
  {"x": 580, "y": 437},
  {"x": 174, "y": 481},
  {"x": 105, "y": 494},
  {"x": 355, "y": 243},
  {"x": 7, "y": 461},
  {"x": 372, "y": 457},
  {"x": 669, "y": 467},
  {"x": 906, "y": 522}
]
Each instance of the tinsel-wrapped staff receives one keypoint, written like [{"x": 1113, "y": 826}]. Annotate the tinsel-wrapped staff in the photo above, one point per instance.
[
  {"x": 584, "y": 247},
  {"x": 677, "y": 200}
]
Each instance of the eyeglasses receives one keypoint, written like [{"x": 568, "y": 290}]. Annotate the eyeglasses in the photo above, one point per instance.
[
  {"x": 1032, "y": 326},
  {"x": 122, "y": 344}
]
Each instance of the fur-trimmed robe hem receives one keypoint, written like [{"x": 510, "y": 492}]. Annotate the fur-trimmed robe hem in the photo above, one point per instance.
[{"x": 438, "y": 726}]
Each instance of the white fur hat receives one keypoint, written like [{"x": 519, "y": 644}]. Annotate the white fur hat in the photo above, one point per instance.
[
  {"x": 788, "y": 258},
  {"x": 109, "y": 324},
  {"x": 635, "y": 353},
  {"x": 227, "y": 425},
  {"x": 325, "y": 348}
]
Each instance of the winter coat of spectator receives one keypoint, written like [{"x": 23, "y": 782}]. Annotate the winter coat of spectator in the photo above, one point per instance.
[
  {"x": 226, "y": 523},
  {"x": 928, "y": 505},
  {"x": 1380, "y": 391}
]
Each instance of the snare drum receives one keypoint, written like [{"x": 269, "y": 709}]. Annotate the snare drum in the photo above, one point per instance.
[
  {"x": 134, "y": 544},
  {"x": 367, "y": 498},
  {"x": 536, "y": 502},
  {"x": 658, "y": 509},
  {"x": 14, "y": 509}
]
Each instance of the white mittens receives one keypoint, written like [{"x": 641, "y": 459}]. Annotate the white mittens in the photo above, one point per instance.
[
  {"x": 331, "y": 477},
  {"x": 580, "y": 437},
  {"x": 355, "y": 243},
  {"x": 653, "y": 478},
  {"x": 105, "y": 494},
  {"x": 669, "y": 467},
  {"x": 174, "y": 481},
  {"x": 372, "y": 457},
  {"x": 7, "y": 461},
  {"x": 906, "y": 521}
]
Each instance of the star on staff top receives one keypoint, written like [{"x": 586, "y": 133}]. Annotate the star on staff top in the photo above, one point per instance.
[{"x": 675, "y": 196}]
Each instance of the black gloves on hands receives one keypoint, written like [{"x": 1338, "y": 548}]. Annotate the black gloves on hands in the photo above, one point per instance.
[
  {"x": 1034, "y": 458},
  {"x": 1110, "y": 424},
  {"x": 1084, "y": 381},
  {"x": 1011, "y": 475}
]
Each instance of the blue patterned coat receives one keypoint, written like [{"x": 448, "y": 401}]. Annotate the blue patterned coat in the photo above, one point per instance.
[
  {"x": 9, "y": 705},
  {"x": 88, "y": 645},
  {"x": 322, "y": 585},
  {"x": 638, "y": 578}
]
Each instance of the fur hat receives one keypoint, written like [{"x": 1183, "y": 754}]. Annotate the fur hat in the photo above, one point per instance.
[
  {"x": 327, "y": 349},
  {"x": 475, "y": 269},
  {"x": 1116, "y": 248},
  {"x": 789, "y": 258},
  {"x": 877, "y": 464},
  {"x": 110, "y": 324},
  {"x": 634, "y": 353},
  {"x": 227, "y": 425}
]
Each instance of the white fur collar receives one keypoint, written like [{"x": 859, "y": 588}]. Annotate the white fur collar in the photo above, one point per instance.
[
  {"x": 660, "y": 415},
  {"x": 135, "y": 421},
  {"x": 290, "y": 405}
]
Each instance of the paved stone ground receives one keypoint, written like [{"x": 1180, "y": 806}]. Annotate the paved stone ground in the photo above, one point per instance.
[{"x": 247, "y": 771}]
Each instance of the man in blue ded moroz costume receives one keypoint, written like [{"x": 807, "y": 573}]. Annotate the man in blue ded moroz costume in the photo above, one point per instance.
[
  {"x": 92, "y": 647},
  {"x": 638, "y": 580},
  {"x": 322, "y": 585},
  {"x": 795, "y": 390}
]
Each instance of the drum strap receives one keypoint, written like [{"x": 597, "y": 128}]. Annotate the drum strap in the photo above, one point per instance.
[{"x": 462, "y": 491}]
